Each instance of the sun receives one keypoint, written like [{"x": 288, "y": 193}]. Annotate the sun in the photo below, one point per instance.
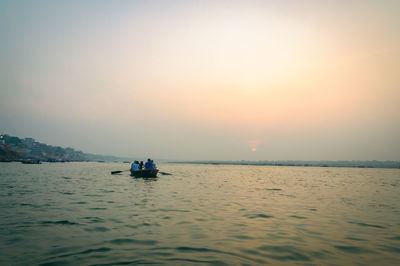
[{"x": 253, "y": 149}]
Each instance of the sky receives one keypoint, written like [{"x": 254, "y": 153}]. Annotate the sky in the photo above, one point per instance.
[{"x": 204, "y": 80}]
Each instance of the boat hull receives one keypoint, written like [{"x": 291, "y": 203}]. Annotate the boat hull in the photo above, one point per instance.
[
  {"x": 145, "y": 173},
  {"x": 31, "y": 162}
]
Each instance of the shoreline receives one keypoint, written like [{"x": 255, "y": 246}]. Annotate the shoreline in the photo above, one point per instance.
[{"x": 342, "y": 164}]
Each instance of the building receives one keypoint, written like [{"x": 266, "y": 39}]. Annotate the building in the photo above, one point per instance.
[{"x": 29, "y": 141}]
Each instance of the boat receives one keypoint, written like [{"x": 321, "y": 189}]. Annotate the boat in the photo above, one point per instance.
[
  {"x": 145, "y": 173},
  {"x": 30, "y": 161}
]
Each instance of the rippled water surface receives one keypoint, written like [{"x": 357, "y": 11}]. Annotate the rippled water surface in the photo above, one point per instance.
[{"x": 77, "y": 213}]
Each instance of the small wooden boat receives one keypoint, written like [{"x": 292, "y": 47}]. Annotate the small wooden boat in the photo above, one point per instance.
[
  {"x": 30, "y": 161},
  {"x": 145, "y": 173}
]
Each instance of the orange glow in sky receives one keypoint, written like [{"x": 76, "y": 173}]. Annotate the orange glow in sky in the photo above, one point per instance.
[{"x": 313, "y": 79}]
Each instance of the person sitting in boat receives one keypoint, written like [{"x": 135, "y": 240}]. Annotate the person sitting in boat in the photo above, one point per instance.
[
  {"x": 135, "y": 166},
  {"x": 149, "y": 164},
  {"x": 141, "y": 165}
]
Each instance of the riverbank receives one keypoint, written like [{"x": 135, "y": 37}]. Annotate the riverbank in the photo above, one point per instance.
[{"x": 351, "y": 164}]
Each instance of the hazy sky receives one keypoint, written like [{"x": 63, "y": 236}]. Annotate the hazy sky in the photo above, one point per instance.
[{"x": 228, "y": 80}]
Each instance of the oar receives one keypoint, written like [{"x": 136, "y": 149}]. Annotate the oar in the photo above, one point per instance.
[
  {"x": 164, "y": 173},
  {"x": 117, "y": 172}
]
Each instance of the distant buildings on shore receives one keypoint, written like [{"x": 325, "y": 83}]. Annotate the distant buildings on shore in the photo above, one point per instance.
[
  {"x": 18, "y": 149},
  {"x": 14, "y": 148}
]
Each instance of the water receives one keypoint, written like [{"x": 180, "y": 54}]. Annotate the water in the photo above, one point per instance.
[{"x": 77, "y": 213}]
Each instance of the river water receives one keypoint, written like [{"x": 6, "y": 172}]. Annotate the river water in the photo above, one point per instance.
[{"x": 79, "y": 214}]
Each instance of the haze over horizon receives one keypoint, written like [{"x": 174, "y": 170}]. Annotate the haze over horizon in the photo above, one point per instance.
[{"x": 204, "y": 80}]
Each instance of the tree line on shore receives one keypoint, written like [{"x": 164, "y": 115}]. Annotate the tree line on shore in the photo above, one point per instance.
[{"x": 354, "y": 163}]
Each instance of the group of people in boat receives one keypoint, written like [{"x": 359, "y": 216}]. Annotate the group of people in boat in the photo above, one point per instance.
[{"x": 136, "y": 165}]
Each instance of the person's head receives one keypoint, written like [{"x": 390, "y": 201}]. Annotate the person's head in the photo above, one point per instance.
[{"x": 149, "y": 160}]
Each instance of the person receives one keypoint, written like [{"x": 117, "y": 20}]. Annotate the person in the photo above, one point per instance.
[
  {"x": 141, "y": 165},
  {"x": 135, "y": 166},
  {"x": 149, "y": 164}
]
